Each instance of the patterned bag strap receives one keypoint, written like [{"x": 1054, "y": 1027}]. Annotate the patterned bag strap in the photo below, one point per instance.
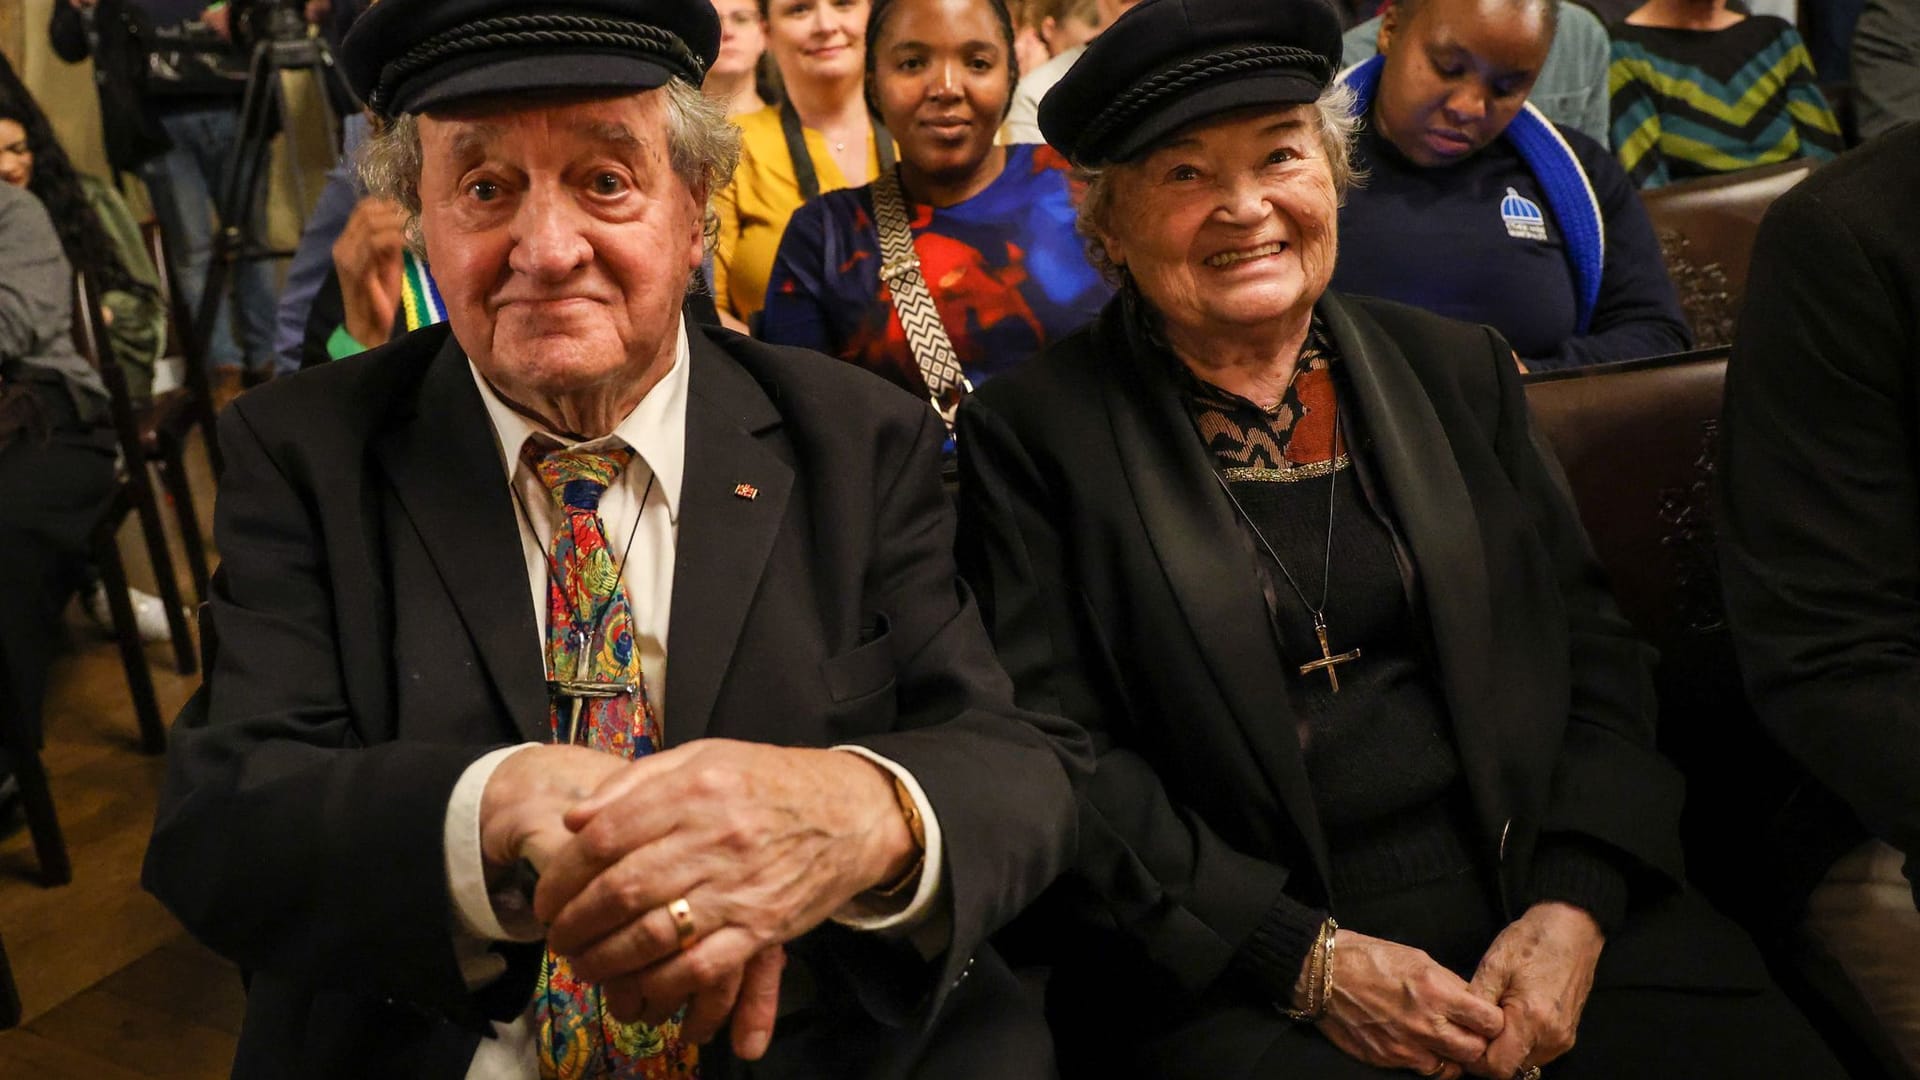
[{"x": 939, "y": 365}]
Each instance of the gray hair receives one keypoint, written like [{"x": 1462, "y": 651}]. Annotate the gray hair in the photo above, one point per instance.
[
  {"x": 702, "y": 145},
  {"x": 1335, "y": 111}
]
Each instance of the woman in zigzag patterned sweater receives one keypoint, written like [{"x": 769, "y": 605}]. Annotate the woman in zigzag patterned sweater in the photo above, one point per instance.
[{"x": 1698, "y": 89}]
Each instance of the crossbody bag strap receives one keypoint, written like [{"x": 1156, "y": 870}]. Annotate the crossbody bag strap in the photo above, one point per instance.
[
  {"x": 803, "y": 170},
  {"x": 797, "y": 151},
  {"x": 933, "y": 352}
]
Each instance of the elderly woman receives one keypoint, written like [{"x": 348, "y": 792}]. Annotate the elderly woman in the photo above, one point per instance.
[
  {"x": 1478, "y": 207},
  {"x": 1376, "y": 788},
  {"x": 991, "y": 227}
]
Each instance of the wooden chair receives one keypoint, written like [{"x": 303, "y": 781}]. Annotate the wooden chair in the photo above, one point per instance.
[
  {"x": 1637, "y": 441},
  {"x": 133, "y": 494},
  {"x": 1706, "y": 228},
  {"x": 166, "y": 423}
]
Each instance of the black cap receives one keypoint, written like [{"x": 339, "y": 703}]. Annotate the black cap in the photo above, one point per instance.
[
  {"x": 1167, "y": 63},
  {"x": 407, "y": 56}
]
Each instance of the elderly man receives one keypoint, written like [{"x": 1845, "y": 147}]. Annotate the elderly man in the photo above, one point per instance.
[{"x": 439, "y": 796}]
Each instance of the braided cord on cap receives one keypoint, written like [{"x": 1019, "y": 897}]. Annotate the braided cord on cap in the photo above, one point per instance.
[
  {"x": 533, "y": 31},
  {"x": 1148, "y": 92}
]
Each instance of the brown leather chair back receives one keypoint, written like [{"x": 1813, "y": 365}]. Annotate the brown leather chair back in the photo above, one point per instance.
[
  {"x": 1706, "y": 228},
  {"x": 1638, "y": 443},
  {"x": 1637, "y": 440}
]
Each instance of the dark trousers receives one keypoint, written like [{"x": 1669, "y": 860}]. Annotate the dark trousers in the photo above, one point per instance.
[
  {"x": 1631, "y": 1027},
  {"x": 52, "y": 490}
]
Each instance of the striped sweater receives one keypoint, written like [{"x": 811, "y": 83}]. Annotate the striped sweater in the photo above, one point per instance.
[{"x": 1701, "y": 102}]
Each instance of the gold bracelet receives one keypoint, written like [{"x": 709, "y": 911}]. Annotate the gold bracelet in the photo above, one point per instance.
[
  {"x": 1326, "y": 989},
  {"x": 1319, "y": 976}
]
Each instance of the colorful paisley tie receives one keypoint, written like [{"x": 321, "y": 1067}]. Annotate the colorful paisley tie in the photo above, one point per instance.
[{"x": 587, "y": 615}]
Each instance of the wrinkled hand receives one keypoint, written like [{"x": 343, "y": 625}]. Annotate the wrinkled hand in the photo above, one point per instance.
[
  {"x": 1395, "y": 1007},
  {"x": 368, "y": 258},
  {"x": 523, "y": 809},
  {"x": 763, "y": 842},
  {"x": 1539, "y": 971}
]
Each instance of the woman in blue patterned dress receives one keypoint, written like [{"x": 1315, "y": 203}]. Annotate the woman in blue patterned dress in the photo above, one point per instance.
[{"x": 992, "y": 226}]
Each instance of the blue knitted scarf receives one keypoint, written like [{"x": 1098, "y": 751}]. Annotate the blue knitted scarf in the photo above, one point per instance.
[{"x": 1555, "y": 168}]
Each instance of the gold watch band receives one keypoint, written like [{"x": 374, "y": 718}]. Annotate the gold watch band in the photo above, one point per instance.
[{"x": 917, "y": 828}]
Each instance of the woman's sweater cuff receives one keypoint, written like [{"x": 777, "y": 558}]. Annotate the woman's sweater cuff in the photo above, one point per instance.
[
  {"x": 1274, "y": 954},
  {"x": 1578, "y": 872}
]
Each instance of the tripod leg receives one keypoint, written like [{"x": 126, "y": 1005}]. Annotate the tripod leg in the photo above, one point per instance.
[{"x": 237, "y": 192}]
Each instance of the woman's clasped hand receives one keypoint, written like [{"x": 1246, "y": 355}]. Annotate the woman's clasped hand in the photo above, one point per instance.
[{"x": 1396, "y": 1007}]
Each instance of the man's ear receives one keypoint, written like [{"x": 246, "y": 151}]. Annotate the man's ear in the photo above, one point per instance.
[
  {"x": 701, "y": 210},
  {"x": 1389, "y": 25}
]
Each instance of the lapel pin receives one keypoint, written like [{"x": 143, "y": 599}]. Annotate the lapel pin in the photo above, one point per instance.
[{"x": 746, "y": 491}]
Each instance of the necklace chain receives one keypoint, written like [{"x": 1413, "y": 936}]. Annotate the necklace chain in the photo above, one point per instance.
[
  {"x": 1318, "y": 612},
  {"x": 581, "y": 625}
]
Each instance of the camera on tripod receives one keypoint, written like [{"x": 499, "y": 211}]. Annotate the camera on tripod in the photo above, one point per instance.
[
  {"x": 255, "y": 21},
  {"x": 273, "y": 34}
]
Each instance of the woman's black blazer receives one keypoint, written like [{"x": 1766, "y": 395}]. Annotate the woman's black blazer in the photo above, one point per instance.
[{"x": 1107, "y": 564}]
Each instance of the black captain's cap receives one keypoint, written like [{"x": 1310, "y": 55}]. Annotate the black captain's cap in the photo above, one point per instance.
[
  {"x": 1167, "y": 63},
  {"x": 407, "y": 56}
]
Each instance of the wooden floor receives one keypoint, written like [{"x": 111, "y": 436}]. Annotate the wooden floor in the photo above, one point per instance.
[{"x": 112, "y": 987}]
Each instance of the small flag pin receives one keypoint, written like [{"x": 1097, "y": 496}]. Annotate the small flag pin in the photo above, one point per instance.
[{"x": 746, "y": 491}]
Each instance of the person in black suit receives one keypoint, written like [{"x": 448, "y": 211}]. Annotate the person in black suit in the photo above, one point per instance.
[
  {"x": 1375, "y": 788},
  {"x": 1820, "y": 555},
  {"x": 456, "y": 568}
]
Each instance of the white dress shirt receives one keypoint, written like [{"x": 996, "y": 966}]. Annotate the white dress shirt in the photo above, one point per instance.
[{"x": 656, "y": 431}]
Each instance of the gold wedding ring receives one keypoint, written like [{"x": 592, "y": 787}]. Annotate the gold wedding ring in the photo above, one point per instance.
[
  {"x": 682, "y": 913},
  {"x": 1438, "y": 1068},
  {"x": 1527, "y": 1072}
]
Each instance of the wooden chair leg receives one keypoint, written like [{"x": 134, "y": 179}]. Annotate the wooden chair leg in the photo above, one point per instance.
[
  {"x": 22, "y": 751},
  {"x": 200, "y": 385},
  {"x": 140, "y": 482},
  {"x": 36, "y": 798},
  {"x": 10, "y": 1009},
  {"x": 133, "y": 653},
  {"x": 173, "y": 473}
]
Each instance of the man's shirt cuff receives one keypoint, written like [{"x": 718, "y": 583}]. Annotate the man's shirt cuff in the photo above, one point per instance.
[
  {"x": 481, "y": 913},
  {"x": 866, "y": 915}
]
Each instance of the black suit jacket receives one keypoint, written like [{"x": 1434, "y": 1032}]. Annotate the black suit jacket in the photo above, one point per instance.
[
  {"x": 1820, "y": 491},
  {"x": 376, "y": 637},
  {"x": 1119, "y": 593}
]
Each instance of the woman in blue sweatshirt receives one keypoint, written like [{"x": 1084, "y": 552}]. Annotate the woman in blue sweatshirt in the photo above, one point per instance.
[{"x": 1478, "y": 207}]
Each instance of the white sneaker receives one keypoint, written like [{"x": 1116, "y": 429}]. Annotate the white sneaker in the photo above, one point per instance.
[
  {"x": 149, "y": 613},
  {"x": 167, "y": 375}
]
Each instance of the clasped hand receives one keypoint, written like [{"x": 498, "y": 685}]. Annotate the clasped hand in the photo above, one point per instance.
[
  {"x": 1396, "y": 1007},
  {"x": 763, "y": 843}
]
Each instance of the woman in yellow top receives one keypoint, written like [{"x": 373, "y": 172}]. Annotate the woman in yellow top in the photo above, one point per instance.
[{"x": 820, "y": 48}]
